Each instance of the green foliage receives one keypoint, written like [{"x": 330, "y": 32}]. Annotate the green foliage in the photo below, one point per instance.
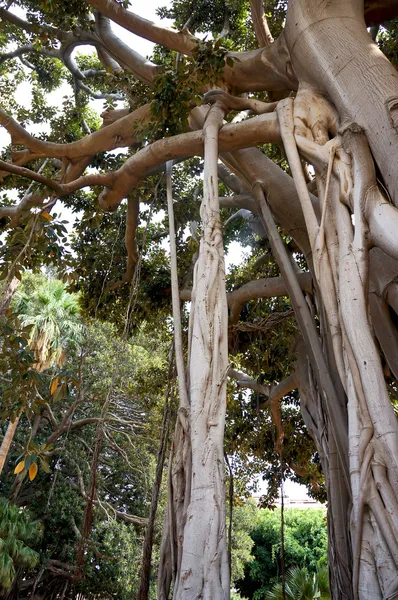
[
  {"x": 134, "y": 373},
  {"x": 17, "y": 530},
  {"x": 236, "y": 596},
  {"x": 232, "y": 17},
  {"x": 244, "y": 517},
  {"x": 177, "y": 89},
  {"x": 387, "y": 40},
  {"x": 305, "y": 545},
  {"x": 19, "y": 386},
  {"x": 38, "y": 240},
  {"x": 116, "y": 574},
  {"x": 101, "y": 260},
  {"x": 54, "y": 317},
  {"x": 56, "y": 13},
  {"x": 301, "y": 585}
]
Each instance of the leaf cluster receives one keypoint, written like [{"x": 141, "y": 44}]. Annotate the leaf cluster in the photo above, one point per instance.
[{"x": 177, "y": 89}]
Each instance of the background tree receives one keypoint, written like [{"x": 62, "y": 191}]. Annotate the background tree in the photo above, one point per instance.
[
  {"x": 17, "y": 533},
  {"x": 305, "y": 548},
  {"x": 61, "y": 445},
  {"x": 53, "y": 316}
]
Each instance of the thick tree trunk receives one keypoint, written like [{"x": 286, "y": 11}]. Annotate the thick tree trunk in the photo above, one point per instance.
[
  {"x": 333, "y": 57},
  {"x": 204, "y": 571},
  {"x": 343, "y": 119},
  {"x": 331, "y": 49}
]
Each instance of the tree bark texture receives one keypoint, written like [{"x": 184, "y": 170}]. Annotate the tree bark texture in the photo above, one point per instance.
[{"x": 204, "y": 570}]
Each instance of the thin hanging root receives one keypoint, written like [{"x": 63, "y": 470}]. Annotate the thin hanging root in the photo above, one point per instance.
[
  {"x": 364, "y": 477},
  {"x": 131, "y": 244},
  {"x": 379, "y": 471},
  {"x": 377, "y": 507},
  {"x": 322, "y": 266},
  {"x": 284, "y": 111},
  {"x": 277, "y": 420},
  {"x": 182, "y": 387},
  {"x": 326, "y": 197},
  {"x": 308, "y": 331},
  {"x": 179, "y": 471}
]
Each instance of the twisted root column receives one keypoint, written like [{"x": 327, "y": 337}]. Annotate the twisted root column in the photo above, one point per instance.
[
  {"x": 347, "y": 185},
  {"x": 204, "y": 569}
]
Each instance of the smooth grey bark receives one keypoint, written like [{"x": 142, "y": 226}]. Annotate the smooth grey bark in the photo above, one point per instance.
[
  {"x": 204, "y": 571},
  {"x": 331, "y": 49}
]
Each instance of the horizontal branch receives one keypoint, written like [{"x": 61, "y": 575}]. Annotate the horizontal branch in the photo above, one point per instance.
[
  {"x": 263, "y": 288},
  {"x": 273, "y": 393},
  {"x": 245, "y": 201},
  {"x": 118, "y": 184},
  {"x": 283, "y": 388},
  {"x": 29, "y": 174},
  {"x": 258, "y": 107},
  {"x": 6, "y": 15},
  {"x": 257, "y": 130},
  {"x": 131, "y": 60},
  {"x": 175, "y": 40},
  {"x": 27, "y": 49},
  {"x": 98, "y": 95},
  {"x": 245, "y": 381},
  {"x": 117, "y": 135},
  {"x": 259, "y": 288},
  {"x": 263, "y": 69}
]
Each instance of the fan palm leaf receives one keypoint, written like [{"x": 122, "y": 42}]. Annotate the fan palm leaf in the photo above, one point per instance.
[
  {"x": 302, "y": 585},
  {"x": 54, "y": 316}
]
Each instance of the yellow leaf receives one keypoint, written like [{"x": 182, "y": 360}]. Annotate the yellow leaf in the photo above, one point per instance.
[
  {"x": 54, "y": 386},
  {"x": 46, "y": 216},
  {"x": 20, "y": 467},
  {"x": 32, "y": 471}
]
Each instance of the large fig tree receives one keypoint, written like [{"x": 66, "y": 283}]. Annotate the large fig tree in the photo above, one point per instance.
[{"x": 324, "y": 95}]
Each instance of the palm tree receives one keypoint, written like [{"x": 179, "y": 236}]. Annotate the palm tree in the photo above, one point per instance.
[
  {"x": 54, "y": 316},
  {"x": 302, "y": 585},
  {"x": 16, "y": 531}
]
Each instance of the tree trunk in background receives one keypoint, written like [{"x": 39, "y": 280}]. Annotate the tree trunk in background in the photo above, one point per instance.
[
  {"x": 7, "y": 295},
  {"x": 7, "y": 441}
]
